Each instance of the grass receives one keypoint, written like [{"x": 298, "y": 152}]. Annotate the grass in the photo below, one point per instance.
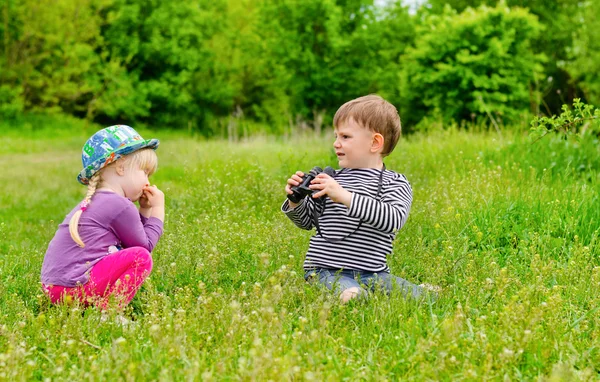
[{"x": 508, "y": 229}]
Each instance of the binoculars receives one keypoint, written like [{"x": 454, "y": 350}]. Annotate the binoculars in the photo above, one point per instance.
[{"x": 301, "y": 191}]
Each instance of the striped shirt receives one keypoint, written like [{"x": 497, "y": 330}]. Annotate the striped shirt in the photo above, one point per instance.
[{"x": 377, "y": 217}]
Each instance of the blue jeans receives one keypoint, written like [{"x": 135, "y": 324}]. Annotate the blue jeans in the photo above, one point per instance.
[{"x": 338, "y": 280}]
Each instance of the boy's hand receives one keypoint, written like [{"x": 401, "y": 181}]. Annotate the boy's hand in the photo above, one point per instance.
[
  {"x": 326, "y": 185},
  {"x": 293, "y": 181}
]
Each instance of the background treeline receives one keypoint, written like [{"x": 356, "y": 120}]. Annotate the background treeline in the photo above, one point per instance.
[{"x": 230, "y": 67}]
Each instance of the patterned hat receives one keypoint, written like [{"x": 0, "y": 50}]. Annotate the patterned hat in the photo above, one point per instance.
[{"x": 108, "y": 145}]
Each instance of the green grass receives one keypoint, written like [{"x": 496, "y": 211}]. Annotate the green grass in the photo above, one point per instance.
[{"x": 508, "y": 229}]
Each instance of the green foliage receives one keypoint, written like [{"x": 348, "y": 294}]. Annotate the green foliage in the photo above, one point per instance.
[
  {"x": 167, "y": 46},
  {"x": 52, "y": 54},
  {"x": 335, "y": 51},
  {"x": 513, "y": 246},
  {"x": 577, "y": 122},
  {"x": 199, "y": 65},
  {"x": 258, "y": 82},
  {"x": 560, "y": 19},
  {"x": 473, "y": 64},
  {"x": 585, "y": 53},
  {"x": 378, "y": 51},
  {"x": 439, "y": 6},
  {"x": 11, "y": 102},
  {"x": 232, "y": 67},
  {"x": 305, "y": 40}
]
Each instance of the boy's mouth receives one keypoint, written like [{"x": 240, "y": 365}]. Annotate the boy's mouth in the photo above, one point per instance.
[{"x": 340, "y": 154}]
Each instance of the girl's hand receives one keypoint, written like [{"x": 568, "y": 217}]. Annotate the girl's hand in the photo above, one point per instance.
[
  {"x": 152, "y": 197},
  {"x": 326, "y": 185},
  {"x": 144, "y": 202}
]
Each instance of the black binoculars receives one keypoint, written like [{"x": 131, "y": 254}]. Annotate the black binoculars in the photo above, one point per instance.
[{"x": 301, "y": 191}]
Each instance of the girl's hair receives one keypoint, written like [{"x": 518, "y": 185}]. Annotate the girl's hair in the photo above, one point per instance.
[
  {"x": 74, "y": 222},
  {"x": 144, "y": 159}
]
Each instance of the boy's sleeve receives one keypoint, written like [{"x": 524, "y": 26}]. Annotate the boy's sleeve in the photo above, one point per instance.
[
  {"x": 135, "y": 231},
  {"x": 301, "y": 215},
  {"x": 389, "y": 214}
]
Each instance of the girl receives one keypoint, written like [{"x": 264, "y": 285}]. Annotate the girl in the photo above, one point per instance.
[{"x": 102, "y": 248}]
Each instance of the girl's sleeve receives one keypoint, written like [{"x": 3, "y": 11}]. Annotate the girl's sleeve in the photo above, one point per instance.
[
  {"x": 301, "y": 215},
  {"x": 133, "y": 230},
  {"x": 389, "y": 214}
]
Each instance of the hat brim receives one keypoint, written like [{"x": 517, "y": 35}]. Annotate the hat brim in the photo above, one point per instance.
[{"x": 85, "y": 174}]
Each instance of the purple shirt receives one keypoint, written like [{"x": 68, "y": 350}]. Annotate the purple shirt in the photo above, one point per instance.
[{"x": 110, "y": 220}]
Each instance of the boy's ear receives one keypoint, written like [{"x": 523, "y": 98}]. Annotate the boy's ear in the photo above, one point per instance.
[{"x": 377, "y": 143}]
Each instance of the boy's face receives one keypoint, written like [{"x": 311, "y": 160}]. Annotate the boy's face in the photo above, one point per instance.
[{"x": 354, "y": 146}]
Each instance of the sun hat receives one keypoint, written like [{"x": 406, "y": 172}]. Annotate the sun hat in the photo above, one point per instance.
[{"x": 108, "y": 145}]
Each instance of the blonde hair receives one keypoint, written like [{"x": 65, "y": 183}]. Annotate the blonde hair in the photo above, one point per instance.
[
  {"x": 74, "y": 222},
  {"x": 144, "y": 159},
  {"x": 377, "y": 115}
]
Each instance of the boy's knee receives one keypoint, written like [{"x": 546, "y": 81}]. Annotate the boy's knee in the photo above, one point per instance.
[{"x": 349, "y": 294}]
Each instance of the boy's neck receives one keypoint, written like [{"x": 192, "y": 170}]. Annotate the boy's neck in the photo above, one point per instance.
[
  {"x": 373, "y": 162},
  {"x": 378, "y": 163}
]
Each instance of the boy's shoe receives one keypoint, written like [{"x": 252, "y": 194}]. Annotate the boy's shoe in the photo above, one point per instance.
[
  {"x": 432, "y": 292},
  {"x": 431, "y": 288}
]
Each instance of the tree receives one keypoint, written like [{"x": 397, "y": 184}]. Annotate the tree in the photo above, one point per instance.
[
  {"x": 560, "y": 19},
  {"x": 334, "y": 51},
  {"x": 477, "y": 63},
  {"x": 166, "y": 48},
  {"x": 52, "y": 53},
  {"x": 376, "y": 51},
  {"x": 584, "y": 65}
]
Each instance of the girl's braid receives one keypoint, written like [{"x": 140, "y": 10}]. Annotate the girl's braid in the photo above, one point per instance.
[{"x": 74, "y": 222}]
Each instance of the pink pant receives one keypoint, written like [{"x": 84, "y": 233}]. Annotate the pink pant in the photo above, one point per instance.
[{"x": 118, "y": 275}]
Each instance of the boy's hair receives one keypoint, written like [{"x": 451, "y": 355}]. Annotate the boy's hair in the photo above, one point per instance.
[
  {"x": 376, "y": 114},
  {"x": 144, "y": 159}
]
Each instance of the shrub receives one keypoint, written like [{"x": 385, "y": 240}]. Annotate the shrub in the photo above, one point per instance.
[{"x": 477, "y": 63}]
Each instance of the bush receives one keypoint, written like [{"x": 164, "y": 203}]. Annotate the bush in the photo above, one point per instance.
[
  {"x": 576, "y": 123},
  {"x": 585, "y": 53},
  {"x": 11, "y": 103},
  {"x": 475, "y": 64}
]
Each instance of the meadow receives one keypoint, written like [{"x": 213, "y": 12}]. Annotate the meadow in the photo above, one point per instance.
[{"x": 508, "y": 229}]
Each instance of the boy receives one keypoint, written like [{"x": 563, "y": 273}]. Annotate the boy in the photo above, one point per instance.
[{"x": 365, "y": 206}]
